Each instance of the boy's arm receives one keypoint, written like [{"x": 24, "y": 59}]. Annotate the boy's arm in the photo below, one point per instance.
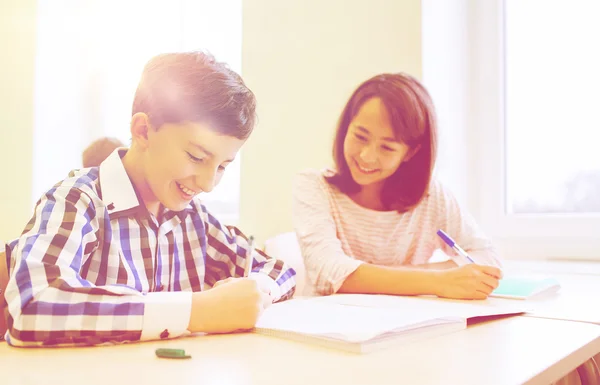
[
  {"x": 226, "y": 253},
  {"x": 49, "y": 303},
  {"x": 3, "y": 283}
]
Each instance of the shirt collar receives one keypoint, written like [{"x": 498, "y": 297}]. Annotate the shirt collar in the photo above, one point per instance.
[{"x": 117, "y": 190}]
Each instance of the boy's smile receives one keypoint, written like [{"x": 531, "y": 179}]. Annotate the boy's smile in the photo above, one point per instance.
[
  {"x": 176, "y": 162},
  {"x": 186, "y": 193}
]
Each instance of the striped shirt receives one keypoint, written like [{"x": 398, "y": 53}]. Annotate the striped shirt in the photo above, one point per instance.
[
  {"x": 336, "y": 234},
  {"x": 93, "y": 266}
]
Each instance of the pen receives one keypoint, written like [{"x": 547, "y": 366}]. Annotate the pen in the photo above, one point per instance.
[
  {"x": 249, "y": 257},
  {"x": 450, "y": 242}
]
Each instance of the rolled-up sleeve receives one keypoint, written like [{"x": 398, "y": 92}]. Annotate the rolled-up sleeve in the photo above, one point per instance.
[{"x": 327, "y": 266}]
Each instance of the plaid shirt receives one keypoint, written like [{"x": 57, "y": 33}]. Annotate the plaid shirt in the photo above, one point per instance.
[{"x": 94, "y": 266}]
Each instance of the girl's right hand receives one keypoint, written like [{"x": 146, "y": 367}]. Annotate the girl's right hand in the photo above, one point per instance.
[{"x": 468, "y": 282}]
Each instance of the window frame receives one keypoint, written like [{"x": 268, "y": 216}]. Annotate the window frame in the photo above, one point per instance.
[{"x": 562, "y": 236}]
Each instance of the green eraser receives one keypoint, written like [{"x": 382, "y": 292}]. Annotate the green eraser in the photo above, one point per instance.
[{"x": 171, "y": 353}]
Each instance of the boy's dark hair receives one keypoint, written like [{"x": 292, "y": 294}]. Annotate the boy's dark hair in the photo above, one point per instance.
[
  {"x": 414, "y": 123},
  {"x": 194, "y": 87}
]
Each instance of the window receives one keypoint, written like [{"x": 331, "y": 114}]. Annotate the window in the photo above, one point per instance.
[
  {"x": 90, "y": 55},
  {"x": 535, "y": 84},
  {"x": 552, "y": 125}
]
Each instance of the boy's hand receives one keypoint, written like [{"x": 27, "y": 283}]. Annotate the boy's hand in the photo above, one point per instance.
[
  {"x": 221, "y": 282},
  {"x": 261, "y": 283},
  {"x": 231, "y": 305}
]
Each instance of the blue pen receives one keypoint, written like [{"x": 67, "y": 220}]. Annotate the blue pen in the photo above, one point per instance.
[{"x": 450, "y": 242}]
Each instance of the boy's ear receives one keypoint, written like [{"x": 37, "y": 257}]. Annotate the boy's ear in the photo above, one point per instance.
[
  {"x": 140, "y": 125},
  {"x": 412, "y": 152}
]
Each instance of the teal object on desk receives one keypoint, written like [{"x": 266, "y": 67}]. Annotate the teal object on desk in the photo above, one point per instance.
[{"x": 523, "y": 288}]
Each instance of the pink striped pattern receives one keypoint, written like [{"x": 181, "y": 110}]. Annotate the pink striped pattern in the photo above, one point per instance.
[{"x": 336, "y": 235}]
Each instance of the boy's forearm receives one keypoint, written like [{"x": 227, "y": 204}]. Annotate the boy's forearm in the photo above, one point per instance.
[{"x": 84, "y": 316}]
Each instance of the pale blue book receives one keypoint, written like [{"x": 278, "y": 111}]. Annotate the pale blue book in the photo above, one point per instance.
[{"x": 524, "y": 287}]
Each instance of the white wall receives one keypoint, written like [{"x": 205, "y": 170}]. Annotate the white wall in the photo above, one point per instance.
[
  {"x": 17, "y": 43},
  {"x": 446, "y": 74},
  {"x": 303, "y": 58}
]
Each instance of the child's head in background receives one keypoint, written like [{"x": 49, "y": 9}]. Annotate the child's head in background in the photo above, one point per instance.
[
  {"x": 386, "y": 141},
  {"x": 99, "y": 150}
]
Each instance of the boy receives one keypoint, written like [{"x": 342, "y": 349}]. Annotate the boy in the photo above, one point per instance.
[
  {"x": 3, "y": 283},
  {"x": 126, "y": 251},
  {"x": 99, "y": 150},
  {"x": 92, "y": 156}
]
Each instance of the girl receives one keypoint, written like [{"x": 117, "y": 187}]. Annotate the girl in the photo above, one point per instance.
[{"x": 369, "y": 225}]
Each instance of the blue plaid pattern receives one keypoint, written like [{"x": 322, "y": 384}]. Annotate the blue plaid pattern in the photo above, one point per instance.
[{"x": 82, "y": 266}]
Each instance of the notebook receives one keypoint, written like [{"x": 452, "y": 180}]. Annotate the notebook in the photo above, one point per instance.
[
  {"x": 356, "y": 328},
  {"x": 350, "y": 328},
  {"x": 525, "y": 287},
  {"x": 433, "y": 306}
]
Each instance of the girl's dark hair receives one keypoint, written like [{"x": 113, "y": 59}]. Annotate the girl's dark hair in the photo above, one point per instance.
[{"x": 414, "y": 123}]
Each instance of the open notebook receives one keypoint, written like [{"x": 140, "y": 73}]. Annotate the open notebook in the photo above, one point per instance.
[{"x": 360, "y": 329}]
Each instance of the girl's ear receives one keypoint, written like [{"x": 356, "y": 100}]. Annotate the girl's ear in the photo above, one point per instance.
[{"x": 412, "y": 152}]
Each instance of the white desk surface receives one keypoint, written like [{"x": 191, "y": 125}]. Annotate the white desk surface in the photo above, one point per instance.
[
  {"x": 579, "y": 297},
  {"x": 507, "y": 351},
  {"x": 554, "y": 266}
]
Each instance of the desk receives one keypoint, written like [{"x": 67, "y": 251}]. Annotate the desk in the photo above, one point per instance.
[
  {"x": 508, "y": 351},
  {"x": 553, "y": 266},
  {"x": 579, "y": 296}
]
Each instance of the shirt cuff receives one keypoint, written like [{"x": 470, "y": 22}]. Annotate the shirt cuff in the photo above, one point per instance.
[
  {"x": 266, "y": 281},
  {"x": 340, "y": 273},
  {"x": 166, "y": 315}
]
